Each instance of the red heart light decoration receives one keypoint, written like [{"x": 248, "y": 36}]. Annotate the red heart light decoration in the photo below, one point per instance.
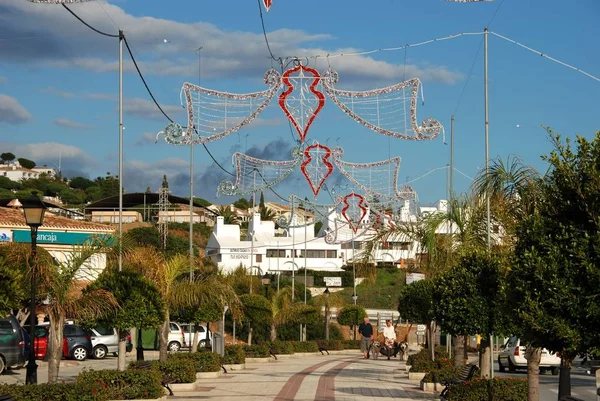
[
  {"x": 267, "y": 4},
  {"x": 321, "y": 163},
  {"x": 363, "y": 211},
  {"x": 301, "y": 126}
]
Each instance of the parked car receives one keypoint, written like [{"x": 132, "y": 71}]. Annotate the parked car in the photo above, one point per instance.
[
  {"x": 11, "y": 344},
  {"x": 512, "y": 356},
  {"x": 77, "y": 342},
  {"x": 204, "y": 335},
  {"x": 176, "y": 338},
  {"x": 105, "y": 340}
]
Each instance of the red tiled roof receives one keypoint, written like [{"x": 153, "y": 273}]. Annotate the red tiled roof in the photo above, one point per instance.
[{"x": 15, "y": 218}]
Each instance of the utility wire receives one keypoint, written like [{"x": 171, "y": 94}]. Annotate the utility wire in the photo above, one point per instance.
[
  {"x": 88, "y": 25},
  {"x": 262, "y": 21}
]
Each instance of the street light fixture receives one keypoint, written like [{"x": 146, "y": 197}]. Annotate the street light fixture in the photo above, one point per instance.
[
  {"x": 33, "y": 210},
  {"x": 266, "y": 280}
]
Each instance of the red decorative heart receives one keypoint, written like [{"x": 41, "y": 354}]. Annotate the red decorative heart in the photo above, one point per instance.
[
  {"x": 317, "y": 179},
  {"x": 354, "y": 221},
  {"x": 267, "y": 4},
  {"x": 301, "y": 126}
]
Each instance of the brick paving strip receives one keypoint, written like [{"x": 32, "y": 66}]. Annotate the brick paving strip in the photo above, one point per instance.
[
  {"x": 326, "y": 387},
  {"x": 290, "y": 388}
]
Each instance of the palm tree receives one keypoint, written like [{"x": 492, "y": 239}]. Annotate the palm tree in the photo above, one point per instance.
[
  {"x": 266, "y": 214},
  {"x": 327, "y": 301},
  {"x": 64, "y": 283},
  {"x": 229, "y": 215}
]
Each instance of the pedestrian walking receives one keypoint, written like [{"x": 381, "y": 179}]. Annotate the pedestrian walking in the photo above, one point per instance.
[{"x": 366, "y": 331}]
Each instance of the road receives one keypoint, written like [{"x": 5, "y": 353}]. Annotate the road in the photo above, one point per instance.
[{"x": 583, "y": 385}]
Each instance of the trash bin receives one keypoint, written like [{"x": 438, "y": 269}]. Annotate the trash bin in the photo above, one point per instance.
[{"x": 218, "y": 344}]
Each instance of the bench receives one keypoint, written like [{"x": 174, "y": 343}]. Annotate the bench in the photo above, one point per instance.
[
  {"x": 570, "y": 398},
  {"x": 165, "y": 379},
  {"x": 466, "y": 374},
  {"x": 6, "y": 397}
]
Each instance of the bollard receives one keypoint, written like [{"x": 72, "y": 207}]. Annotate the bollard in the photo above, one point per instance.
[{"x": 598, "y": 384}]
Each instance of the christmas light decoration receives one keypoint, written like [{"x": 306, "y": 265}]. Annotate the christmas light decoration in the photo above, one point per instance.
[
  {"x": 302, "y": 108},
  {"x": 267, "y": 4},
  {"x": 354, "y": 210},
  {"x": 389, "y": 111},
  {"x": 316, "y": 167}
]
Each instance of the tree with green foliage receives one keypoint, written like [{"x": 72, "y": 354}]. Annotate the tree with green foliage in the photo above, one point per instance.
[
  {"x": 140, "y": 305},
  {"x": 243, "y": 204},
  {"x": 26, "y": 163},
  {"x": 228, "y": 215},
  {"x": 13, "y": 291},
  {"x": 351, "y": 315},
  {"x": 7, "y": 183},
  {"x": 416, "y": 305},
  {"x": 80, "y": 183},
  {"x": 7, "y": 157},
  {"x": 261, "y": 203},
  {"x": 257, "y": 311},
  {"x": 557, "y": 255},
  {"x": 266, "y": 214}
]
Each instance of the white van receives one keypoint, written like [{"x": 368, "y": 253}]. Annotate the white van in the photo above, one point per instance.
[{"x": 512, "y": 356}]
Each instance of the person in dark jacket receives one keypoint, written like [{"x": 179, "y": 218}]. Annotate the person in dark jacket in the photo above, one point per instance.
[{"x": 366, "y": 331}]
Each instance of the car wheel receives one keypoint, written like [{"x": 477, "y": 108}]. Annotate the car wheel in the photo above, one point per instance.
[
  {"x": 2, "y": 364},
  {"x": 174, "y": 346},
  {"x": 511, "y": 367},
  {"x": 79, "y": 353},
  {"x": 501, "y": 368},
  {"x": 100, "y": 352},
  {"x": 555, "y": 371}
]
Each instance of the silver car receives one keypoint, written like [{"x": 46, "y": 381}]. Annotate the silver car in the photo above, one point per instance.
[
  {"x": 204, "y": 335},
  {"x": 106, "y": 340}
]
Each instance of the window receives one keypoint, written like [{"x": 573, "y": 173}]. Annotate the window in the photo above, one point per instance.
[
  {"x": 259, "y": 258},
  {"x": 332, "y": 254},
  {"x": 275, "y": 253},
  {"x": 315, "y": 254},
  {"x": 104, "y": 331}
]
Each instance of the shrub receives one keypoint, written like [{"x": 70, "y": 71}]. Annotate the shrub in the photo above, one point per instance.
[
  {"x": 304, "y": 346},
  {"x": 55, "y": 392},
  {"x": 125, "y": 385},
  {"x": 497, "y": 389},
  {"x": 257, "y": 351},
  {"x": 351, "y": 344},
  {"x": 282, "y": 347},
  {"x": 331, "y": 345},
  {"x": 201, "y": 361},
  {"x": 179, "y": 369},
  {"x": 420, "y": 361},
  {"x": 234, "y": 354}
]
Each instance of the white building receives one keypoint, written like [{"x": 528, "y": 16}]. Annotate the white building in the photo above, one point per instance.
[
  {"x": 15, "y": 172},
  {"x": 267, "y": 251}
]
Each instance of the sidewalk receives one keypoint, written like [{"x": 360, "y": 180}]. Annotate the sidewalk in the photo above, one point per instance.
[{"x": 341, "y": 377}]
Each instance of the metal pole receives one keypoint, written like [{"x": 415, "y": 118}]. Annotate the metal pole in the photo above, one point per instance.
[
  {"x": 487, "y": 126},
  {"x": 293, "y": 252},
  {"x": 305, "y": 256},
  {"x": 31, "y": 373},
  {"x": 121, "y": 36},
  {"x": 452, "y": 157},
  {"x": 191, "y": 212},
  {"x": 491, "y": 356},
  {"x": 252, "y": 231},
  {"x": 278, "y": 273},
  {"x": 354, "y": 297}
]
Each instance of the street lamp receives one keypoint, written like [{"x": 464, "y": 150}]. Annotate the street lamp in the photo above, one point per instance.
[
  {"x": 354, "y": 298},
  {"x": 266, "y": 280},
  {"x": 326, "y": 293},
  {"x": 33, "y": 210}
]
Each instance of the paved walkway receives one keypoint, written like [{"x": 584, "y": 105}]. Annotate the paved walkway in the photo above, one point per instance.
[{"x": 341, "y": 377}]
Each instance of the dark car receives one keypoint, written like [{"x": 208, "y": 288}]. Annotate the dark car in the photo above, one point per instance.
[
  {"x": 78, "y": 344},
  {"x": 11, "y": 343}
]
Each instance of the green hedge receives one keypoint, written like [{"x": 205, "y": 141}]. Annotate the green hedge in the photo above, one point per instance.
[
  {"x": 257, "y": 351},
  {"x": 125, "y": 385},
  {"x": 55, "y": 392},
  {"x": 497, "y": 389},
  {"x": 420, "y": 361},
  {"x": 201, "y": 361},
  {"x": 319, "y": 281},
  {"x": 181, "y": 370},
  {"x": 281, "y": 347},
  {"x": 234, "y": 354},
  {"x": 351, "y": 344},
  {"x": 331, "y": 345},
  {"x": 304, "y": 346}
]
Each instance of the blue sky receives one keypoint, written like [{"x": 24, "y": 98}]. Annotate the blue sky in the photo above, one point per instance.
[{"x": 59, "y": 82}]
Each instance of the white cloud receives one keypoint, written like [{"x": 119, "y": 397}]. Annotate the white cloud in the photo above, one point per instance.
[
  {"x": 63, "y": 122},
  {"x": 146, "y": 109},
  {"x": 145, "y": 139},
  {"x": 57, "y": 92},
  {"x": 225, "y": 53},
  {"x": 100, "y": 96},
  {"x": 12, "y": 112}
]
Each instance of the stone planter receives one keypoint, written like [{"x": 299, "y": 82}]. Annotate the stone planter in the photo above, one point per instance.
[
  {"x": 208, "y": 375},
  {"x": 416, "y": 375},
  {"x": 430, "y": 387},
  {"x": 183, "y": 387},
  {"x": 408, "y": 367},
  {"x": 163, "y": 398},
  {"x": 260, "y": 360},
  {"x": 284, "y": 356},
  {"x": 235, "y": 366},
  {"x": 305, "y": 354}
]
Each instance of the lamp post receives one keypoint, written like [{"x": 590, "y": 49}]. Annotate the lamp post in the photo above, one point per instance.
[
  {"x": 33, "y": 210},
  {"x": 326, "y": 293},
  {"x": 266, "y": 280},
  {"x": 354, "y": 298}
]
